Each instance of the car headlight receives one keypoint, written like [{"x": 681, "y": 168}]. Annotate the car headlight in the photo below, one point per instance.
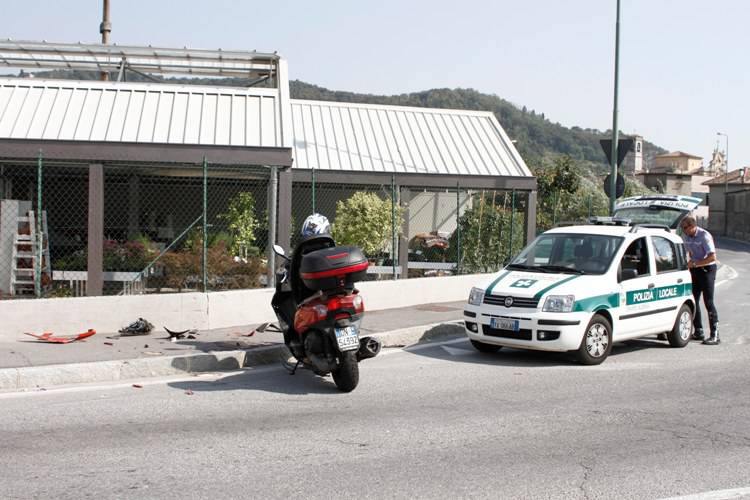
[
  {"x": 475, "y": 296},
  {"x": 559, "y": 303}
]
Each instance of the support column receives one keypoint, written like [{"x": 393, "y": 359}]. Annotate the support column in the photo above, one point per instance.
[
  {"x": 273, "y": 192},
  {"x": 284, "y": 226},
  {"x": 529, "y": 224},
  {"x": 134, "y": 206},
  {"x": 95, "y": 237},
  {"x": 403, "y": 244}
]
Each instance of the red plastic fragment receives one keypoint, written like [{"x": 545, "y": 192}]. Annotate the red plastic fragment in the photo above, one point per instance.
[{"x": 48, "y": 337}]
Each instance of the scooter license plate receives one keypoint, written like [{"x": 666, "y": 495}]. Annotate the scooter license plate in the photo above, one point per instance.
[
  {"x": 348, "y": 338},
  {"x": 504, "y": 324}
]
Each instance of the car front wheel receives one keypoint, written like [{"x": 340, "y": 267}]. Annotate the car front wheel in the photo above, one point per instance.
[
  {"x": 597, "y": 341},
  {"x": 682, "y": 329}
]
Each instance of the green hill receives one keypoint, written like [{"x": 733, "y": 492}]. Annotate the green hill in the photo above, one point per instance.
[{"x": 537, "y": 139}]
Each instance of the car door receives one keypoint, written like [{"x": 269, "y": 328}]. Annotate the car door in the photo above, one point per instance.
[
  {"x": 669, "y": 280},
  {"x": 637, "y": 285}
]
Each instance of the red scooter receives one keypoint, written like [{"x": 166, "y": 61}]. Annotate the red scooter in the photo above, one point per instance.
[{"x": 320, "y": 311}]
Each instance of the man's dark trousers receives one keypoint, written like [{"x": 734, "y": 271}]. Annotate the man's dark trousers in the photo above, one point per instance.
[{"x": 703, "y": 283}]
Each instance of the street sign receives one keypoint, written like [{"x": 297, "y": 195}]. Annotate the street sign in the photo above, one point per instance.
[
  {"x": 619, "y": 185},
  {"x": 623, "y": 146}
]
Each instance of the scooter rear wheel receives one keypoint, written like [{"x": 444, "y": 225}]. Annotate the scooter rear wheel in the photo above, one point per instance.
[{"x": 346, "y": 377}]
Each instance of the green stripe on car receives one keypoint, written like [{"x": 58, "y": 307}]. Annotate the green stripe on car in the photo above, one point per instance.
[
  {"x": 553, "y": 285},
  {"x": 597, "y": 303},
  {"x": 654, "y": 294},
  {"x": 492, "y": 285}
]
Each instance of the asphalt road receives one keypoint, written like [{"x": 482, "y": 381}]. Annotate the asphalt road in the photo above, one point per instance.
[{"x": 433, "y": 421}]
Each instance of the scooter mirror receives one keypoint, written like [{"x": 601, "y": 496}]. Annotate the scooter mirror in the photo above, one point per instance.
[{"x": 279, "y": 250}]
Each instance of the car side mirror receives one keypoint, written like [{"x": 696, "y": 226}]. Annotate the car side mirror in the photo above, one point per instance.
[
  {"x": 279, "y": 250},
  {"x": 628, "y": 274}
]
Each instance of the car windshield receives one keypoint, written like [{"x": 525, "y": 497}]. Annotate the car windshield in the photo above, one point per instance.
[
  {"x": 652, "y": 215},
  {"x": 568, "y": 253}
]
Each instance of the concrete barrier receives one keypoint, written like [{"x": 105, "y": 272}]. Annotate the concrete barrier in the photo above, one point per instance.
[{"x": 203, "y": 311}]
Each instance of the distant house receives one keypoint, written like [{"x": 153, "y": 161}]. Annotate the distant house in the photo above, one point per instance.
[{"x": 680, "y": 173}]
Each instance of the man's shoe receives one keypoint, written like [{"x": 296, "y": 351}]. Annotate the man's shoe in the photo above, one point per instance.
[
  {"x": 714, "y": 338},
  {"x": 699, "y": 335}
]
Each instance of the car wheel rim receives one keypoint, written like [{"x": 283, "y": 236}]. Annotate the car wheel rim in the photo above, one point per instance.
[
  {"x": 597, "y": 340},
  {"x": 685, "y": 325}
]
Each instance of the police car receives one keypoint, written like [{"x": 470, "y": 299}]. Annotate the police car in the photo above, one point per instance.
[{"x": 581, "y": 288}]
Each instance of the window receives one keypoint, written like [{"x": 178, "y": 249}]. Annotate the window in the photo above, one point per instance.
[
  {"x": 636, "y": 259},
  {"x": 665, "y": 254}
]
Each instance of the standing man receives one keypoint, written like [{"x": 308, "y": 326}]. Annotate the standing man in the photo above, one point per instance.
[{"x": 702, "y": 264}]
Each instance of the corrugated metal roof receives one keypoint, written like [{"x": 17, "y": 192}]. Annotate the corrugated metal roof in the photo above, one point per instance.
[
  {"x": 137, "y": 112},
  {"x": 376, "y": 138}
]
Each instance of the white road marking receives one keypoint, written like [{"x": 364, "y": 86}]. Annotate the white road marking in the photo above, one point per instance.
[
  {"x": 732, "y": 275},
  {"x": 419, "y": 347},
  {"x": 715, "y": 495}
]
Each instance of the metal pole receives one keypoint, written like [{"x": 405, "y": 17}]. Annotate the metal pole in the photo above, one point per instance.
[
  {"x": 393, "y": 225},
  {"x": 313, "y": 190},
  {"x": 615, "y": 138},
  {"x": 726, "y": 185},
  {"x": 554, "y": 208},
  {"x": 512, "y": 213},
  {"x": 458, "y": 227},
  {"x": 105, "y": 28},
  {"x": 204, "y": 260},
  {"x": 589, "y": 204},
  {"x": 272, "y": 202},
  {"x": 39, "y": 227}
]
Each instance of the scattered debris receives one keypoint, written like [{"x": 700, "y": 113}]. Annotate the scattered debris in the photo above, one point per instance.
[
  {"x": 153, "y": 353},
  {"x": 191, "y": 336},
  {"x": 138, "y": 386},
  {"x": 140, "y": 327},
  {"x": 145, "y": 346},
  {"x": 108, "y": 343},
  {"x": 174, "y": 335},
  {"x": 189, "y": 392},
  {"x": 50, "y": 338}
]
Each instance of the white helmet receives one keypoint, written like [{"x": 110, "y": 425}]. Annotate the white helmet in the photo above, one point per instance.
[{"x": 314, "y": 225}]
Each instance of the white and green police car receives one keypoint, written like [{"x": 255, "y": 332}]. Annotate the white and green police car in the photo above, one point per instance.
[{"x": 581, "y": 288}]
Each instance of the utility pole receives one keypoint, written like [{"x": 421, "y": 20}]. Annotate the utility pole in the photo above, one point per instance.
[
  {"x": 615, "y": 138},
  {"x": 105, "y": 28}
]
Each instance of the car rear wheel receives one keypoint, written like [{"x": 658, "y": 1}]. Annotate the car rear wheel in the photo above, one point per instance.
[
  {"x": 597, "y": 341},
  {"x": 482, "y": 347},
  {"x": 682, "y": 329}
]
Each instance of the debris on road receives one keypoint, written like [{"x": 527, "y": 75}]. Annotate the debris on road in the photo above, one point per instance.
[
  {"x": 189, "y": 392},
  {"x": 140, "y": 327},
  {"x": 50, "y": 338},
  {"x": 153, "y": 353},
  {"x": 174, "y": 335},
  {"x": 138, "y": 386},
  {"x": 108, "y": 343}
]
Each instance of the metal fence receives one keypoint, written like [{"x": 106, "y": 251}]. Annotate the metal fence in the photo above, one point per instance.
[
  {"x": 155, "y": 218},
  {"x": 171, "y": 228},
  {"x": 420, "y": 232}
]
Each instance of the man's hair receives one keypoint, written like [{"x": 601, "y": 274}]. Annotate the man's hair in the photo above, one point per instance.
[{"x": 688, "y": 221}]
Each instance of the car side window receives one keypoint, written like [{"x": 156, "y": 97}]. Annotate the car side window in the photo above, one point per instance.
[
  {"x": 665, "y": 255},
  {"x": 636, "y": 258},
  {"x": 681, "y": 257}
]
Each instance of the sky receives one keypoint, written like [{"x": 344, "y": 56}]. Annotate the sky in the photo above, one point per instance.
[{"x": 684, "y": 74}]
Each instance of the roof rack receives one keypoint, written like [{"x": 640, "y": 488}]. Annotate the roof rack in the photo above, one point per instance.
[
  {"x": 649, "y": 226},
  {"x": 609, "y": 221}
]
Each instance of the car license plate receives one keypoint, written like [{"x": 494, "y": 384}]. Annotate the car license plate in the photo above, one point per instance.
[
  {"x": 504, "y": 324},
  {"x": 348, "y": 338}
]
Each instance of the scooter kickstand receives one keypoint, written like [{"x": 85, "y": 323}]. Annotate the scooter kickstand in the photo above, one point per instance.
[{"x": 289, "y": 368}]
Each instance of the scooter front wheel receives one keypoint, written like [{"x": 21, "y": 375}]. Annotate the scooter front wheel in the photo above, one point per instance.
[{"x": 346, "y": 376}]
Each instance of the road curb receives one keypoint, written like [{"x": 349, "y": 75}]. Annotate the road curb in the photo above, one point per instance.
[{"x": 38, "y": 377}]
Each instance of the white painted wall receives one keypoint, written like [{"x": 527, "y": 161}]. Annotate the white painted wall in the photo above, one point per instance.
[{"x": 67, "y": 316}]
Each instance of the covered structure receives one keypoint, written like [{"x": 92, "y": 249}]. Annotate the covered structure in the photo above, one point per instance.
[{"x": 150, "y": 140}]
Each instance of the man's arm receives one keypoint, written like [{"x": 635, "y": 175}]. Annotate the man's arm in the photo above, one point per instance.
[{"x": 710, "y": 259}]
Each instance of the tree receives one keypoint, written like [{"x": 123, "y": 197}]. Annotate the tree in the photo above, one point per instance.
[
  {"x": 365, "y": 220},
  {"x": 242, "y": 223}
]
